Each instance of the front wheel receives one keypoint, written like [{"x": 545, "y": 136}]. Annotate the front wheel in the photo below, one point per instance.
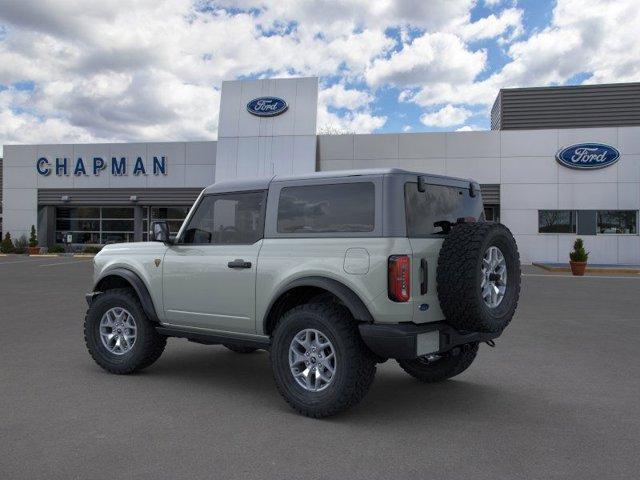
[
  {"x": 436, "y": 368},
  {"x": 118, "y": 334},
  {"x": 320, "y": 364}
]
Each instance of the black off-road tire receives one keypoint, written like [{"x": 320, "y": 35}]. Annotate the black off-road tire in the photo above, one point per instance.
[
  {"x": 355, "y": 364},
  {"x": 239, "y": 349},
  {"x": 450, "y": 364},
  {"x": 459, "y": 277},
  {"x": 148, "y": 346}
]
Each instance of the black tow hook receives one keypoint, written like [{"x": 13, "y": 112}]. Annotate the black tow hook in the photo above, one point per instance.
[{"x": 491, "y": 343}]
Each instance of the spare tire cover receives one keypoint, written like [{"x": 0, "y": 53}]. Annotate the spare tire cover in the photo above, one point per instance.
[{"x": 478, "y": 277}]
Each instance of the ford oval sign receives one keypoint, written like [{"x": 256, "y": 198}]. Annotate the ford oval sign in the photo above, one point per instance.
[
  {"x": 267, "y": 106},
  {"x": 588, "y": 156}
]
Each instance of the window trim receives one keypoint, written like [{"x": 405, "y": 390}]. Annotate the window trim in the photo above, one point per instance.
[
  {"x": 271, "y": 223},
  {"x": 575, "y": 212},
  {"x": 180, "y": 235}
]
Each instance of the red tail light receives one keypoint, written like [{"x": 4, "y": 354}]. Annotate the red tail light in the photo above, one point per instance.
[{"x": 399, "y": 278}]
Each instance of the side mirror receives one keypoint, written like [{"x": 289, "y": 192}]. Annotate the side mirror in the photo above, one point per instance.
[{"x": 160, "y": 232}]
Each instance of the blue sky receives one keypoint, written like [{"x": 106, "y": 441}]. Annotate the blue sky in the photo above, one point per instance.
[{"x": 77, "y": 71}]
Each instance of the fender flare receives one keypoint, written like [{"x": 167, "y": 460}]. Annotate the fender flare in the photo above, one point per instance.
[
  {"x": 138, "y": 285},
  {"x": 347, "y": 296}
]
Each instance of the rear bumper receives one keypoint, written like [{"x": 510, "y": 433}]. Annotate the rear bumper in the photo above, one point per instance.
[{"x": 407, "y": 340}]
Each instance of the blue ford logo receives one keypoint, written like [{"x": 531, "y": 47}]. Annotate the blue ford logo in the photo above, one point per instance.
[
  {"x": 267, "y": 106},
  {"x": 588, "y": 156}
]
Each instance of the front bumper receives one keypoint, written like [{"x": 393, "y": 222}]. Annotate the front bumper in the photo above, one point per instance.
[{"x": 404, "y": 341}]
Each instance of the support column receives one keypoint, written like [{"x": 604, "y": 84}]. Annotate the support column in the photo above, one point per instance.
[
  {"x": 46, "y": 226},
  {"x": 138, "y": 216}
]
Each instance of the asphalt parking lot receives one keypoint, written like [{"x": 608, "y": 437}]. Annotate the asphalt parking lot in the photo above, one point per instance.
[{"x": 559, "y": 397}]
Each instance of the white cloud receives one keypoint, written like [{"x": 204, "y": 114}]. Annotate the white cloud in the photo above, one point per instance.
[
  {"x": 509, "y": 22},
  {"x": 151, "y": 71},
  {"x": 596, "y": 38},
  {"x": 447, "y": 116},
  {"x": 358, "y": 122},
  {"x": 433, "y": 57},
  {"x": 469, "y": 128},
  {"x": 340, "y": 97},
  {"x": 407, "y": 128}
]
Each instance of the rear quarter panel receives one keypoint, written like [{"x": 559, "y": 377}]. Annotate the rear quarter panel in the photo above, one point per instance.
[{"x": 284, "y": 260}]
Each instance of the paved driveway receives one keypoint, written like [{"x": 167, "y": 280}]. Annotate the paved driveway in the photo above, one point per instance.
[{"x": 559, "y": 397}]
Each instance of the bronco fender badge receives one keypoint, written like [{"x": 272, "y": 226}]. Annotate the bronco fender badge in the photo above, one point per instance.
[{"x": 157, "y": 262}]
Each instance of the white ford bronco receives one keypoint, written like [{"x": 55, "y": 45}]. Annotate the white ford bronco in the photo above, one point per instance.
[{"x": 330, "y": 272}]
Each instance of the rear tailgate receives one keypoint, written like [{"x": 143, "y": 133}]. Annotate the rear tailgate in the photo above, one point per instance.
[{"x": 430, "y": 215}]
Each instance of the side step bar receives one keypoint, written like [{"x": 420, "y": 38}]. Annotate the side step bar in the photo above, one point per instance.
[{"x": 211, "y": 338}]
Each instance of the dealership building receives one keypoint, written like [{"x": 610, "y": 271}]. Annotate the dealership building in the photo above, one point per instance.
[{"x": 559, "y": 162}]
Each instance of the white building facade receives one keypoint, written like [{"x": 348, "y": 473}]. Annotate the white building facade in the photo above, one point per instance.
[{"x": 114, "y": 190}]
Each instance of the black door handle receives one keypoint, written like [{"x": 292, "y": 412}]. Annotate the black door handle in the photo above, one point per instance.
[{"x": 239, "y": 263}]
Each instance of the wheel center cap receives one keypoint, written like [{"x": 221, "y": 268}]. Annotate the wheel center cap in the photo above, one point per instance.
[{"x": 313, "y": 359}]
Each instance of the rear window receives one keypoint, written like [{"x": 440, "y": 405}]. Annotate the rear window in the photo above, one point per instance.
[
  {"x": 428, "y": 212},
  {"x": 344, "y": 207}
]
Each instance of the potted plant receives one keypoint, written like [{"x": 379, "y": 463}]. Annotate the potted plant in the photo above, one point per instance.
[
  {"x": 578, "y": 258},
  {"x": 33, "y": 249},
  {"x": 7, "y": 244}
]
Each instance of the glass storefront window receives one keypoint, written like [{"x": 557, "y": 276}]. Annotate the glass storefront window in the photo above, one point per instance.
[
  {"x": 174, "y": 216},
  {"x": 94, "y": 225},
  {"x": 556, "y": 221},
  {"x": 618, "y": 221}
]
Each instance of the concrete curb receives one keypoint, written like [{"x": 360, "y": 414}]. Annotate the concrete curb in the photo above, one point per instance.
[{"x": 589, "y": 269}]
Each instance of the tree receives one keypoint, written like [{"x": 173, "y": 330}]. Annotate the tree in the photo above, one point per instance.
[
  {"x": 7, "y": 245},
  {"x": 33, "y": 238}
]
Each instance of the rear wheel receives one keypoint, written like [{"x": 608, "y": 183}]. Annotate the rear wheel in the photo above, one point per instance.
[
  {"x": 436, "y": 368},
  {"x": 239, "y": 349},
  {"x": 320, "y": 364},
  {"x": 118, "y": 334}
]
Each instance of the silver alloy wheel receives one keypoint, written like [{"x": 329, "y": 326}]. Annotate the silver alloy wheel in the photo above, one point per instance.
[
  {"x": 118, "y": 330},
  {"x": 494, "y": 277},
  {"x": 312, "y": 360}
]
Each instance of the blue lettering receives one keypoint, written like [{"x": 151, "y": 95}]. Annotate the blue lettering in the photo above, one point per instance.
[
  {"x": 79, "y": 170},
  {"x": 42, "y": 165},
  {"x": 139, "y": 167},
  {"x": 159, "y": 166},
  {"x": 98, "y": 164},
  {"x": 61, "y": 166},
  {"x": 118, "y": 167}
]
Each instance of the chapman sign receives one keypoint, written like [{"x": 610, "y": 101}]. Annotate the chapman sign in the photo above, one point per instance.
[
  {"x": 588, "y": 156},
  {"x": 118, "y": 166},
  {"x": 267, "y": 106}
]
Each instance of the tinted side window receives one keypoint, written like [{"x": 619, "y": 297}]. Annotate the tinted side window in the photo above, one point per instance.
[
  {"x": 345, "y": 207},
  {"x": 233, "y": 218},
  {"x": 431, "y": 211}
]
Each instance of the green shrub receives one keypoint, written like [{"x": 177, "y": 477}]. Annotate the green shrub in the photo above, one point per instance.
[
  {"x": 20, "y": 245},
  {"x": 57, "y": 248},
  {"x": 33, "y": 238},
  {"x": 91, "y": 249},
  {"x": 7, "y": 245},
  {"x": 579, "y": 254}
]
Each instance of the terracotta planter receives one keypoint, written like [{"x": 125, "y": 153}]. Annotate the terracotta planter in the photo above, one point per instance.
[
  {"x": 33, "y": 250},
  {"x": 578, "y": 268}
]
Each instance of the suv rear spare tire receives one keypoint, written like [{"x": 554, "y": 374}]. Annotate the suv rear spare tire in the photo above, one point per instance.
[{"x": 478, "y": 277}]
